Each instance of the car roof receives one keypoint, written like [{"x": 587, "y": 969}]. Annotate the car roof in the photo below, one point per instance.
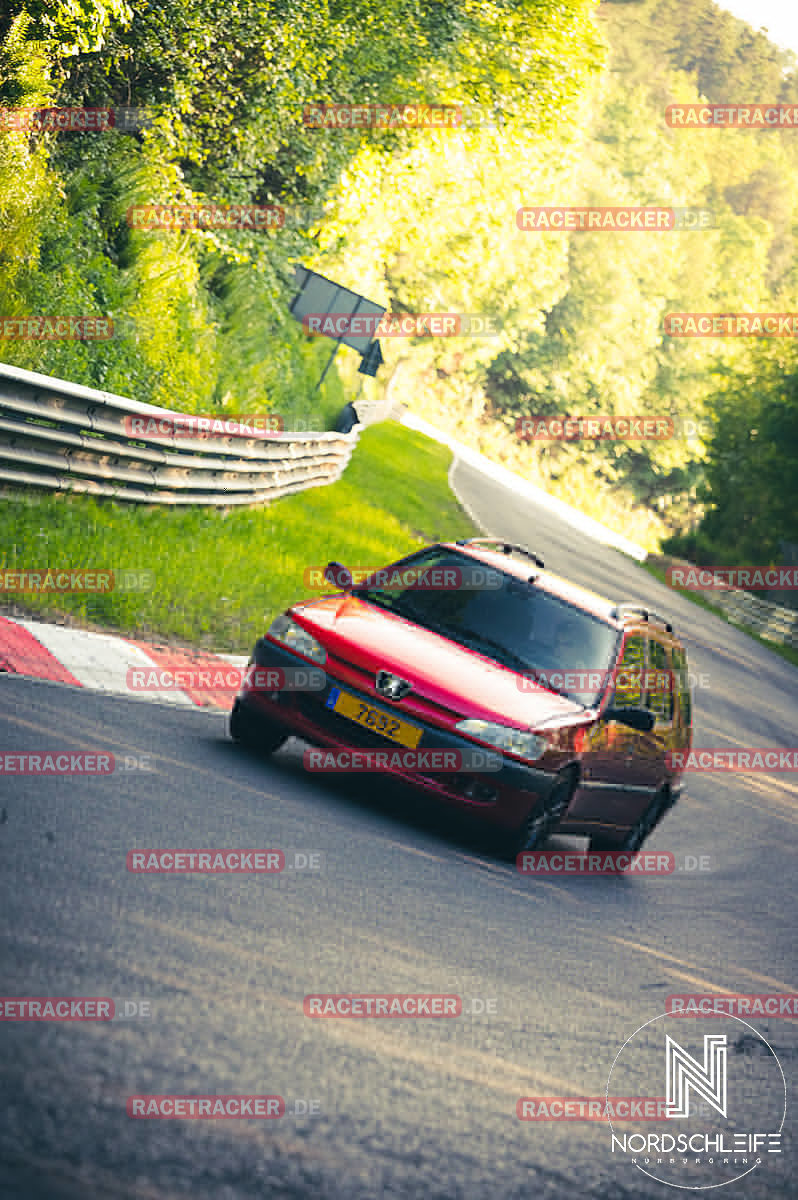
[{"x": 520, "y": 563}]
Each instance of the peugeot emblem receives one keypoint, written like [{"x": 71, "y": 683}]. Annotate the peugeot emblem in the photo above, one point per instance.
[{"x": 391, "y": 686}]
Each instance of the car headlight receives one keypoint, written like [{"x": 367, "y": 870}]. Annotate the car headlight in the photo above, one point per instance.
[
  {"x": 285, "y": 630},
  {"x": 504, "y": 737}
]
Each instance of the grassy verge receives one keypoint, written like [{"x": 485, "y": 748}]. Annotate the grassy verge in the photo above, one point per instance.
[
  {"x": 219, "y": 578},
  {"x": 786, "y": 652}
]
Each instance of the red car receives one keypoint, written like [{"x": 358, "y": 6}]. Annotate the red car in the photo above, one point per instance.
[{"x": 548, "y": 706}]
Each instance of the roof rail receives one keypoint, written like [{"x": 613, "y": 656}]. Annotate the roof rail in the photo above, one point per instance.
[
  {"x": 506, "y": 547},
  {"x": 647, "y": 614}
]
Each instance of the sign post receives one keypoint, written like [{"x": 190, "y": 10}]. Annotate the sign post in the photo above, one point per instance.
[{"x": 318, "y": 296}]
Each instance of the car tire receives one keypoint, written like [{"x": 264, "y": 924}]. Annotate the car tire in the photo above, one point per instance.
[
  {"x": 541, "y": 820},
  {"x": 631, "y": 841},
  {"x": 255, "y": 733}
]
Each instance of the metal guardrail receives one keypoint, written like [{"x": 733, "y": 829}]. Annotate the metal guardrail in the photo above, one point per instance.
[
  {"x": 771, "y": 621},
  {"x": 63, "y": 436}
]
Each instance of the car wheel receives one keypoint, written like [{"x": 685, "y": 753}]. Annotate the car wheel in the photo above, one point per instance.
[
  {"x": 255, "y": 733},
  {"x": 631, "y": 841},
  {"x": 541, "y": 820}
]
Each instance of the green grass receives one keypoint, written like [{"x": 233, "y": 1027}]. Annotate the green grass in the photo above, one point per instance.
[
  {"x": 219, "y": 578},
  {"x": 786, "y": 652}
]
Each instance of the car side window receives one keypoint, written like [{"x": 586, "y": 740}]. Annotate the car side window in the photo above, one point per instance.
[
  {"x": 660, "y": 681},
  {"x": 629, "y": 674},
  {"x": 682, "y": 684}
]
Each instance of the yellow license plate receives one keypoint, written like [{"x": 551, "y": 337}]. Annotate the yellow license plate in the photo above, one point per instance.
[{"x": 384, "y": 723}]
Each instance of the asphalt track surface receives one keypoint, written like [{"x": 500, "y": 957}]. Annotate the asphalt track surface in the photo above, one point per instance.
[{"x": 407, "y": 901}]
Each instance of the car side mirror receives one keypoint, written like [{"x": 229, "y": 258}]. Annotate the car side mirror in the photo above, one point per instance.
[
  {"x": 338, "y": 575},
  {"x": 636, "y": 718}
]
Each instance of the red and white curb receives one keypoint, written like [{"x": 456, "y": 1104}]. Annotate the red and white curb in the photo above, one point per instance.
[{"x": 103, "y": 662}]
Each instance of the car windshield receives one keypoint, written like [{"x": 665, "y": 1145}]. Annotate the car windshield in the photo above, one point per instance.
[{"x": 505, "y": 618}]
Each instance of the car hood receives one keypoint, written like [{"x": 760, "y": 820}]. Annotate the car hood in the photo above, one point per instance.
[{"x": 453, "y": 678}]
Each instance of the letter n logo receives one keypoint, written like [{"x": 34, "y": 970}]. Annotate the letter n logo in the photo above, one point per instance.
[{"x": 684, "y": 1072}]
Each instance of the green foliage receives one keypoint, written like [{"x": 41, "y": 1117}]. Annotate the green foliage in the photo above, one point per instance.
[
  {"x": 751, "y": 488},
  {"x": 24, "y": 177},
  {"x": 433, "y": 228},
  {"x": 722, "y": 55},
  {"x": 419, "y": 221},
  {"x": 72, "y": 27},
  {"x": 201, "y": 317}
]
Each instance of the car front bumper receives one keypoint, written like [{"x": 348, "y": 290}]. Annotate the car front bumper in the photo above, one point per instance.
[{"x": 502, "y": 797}]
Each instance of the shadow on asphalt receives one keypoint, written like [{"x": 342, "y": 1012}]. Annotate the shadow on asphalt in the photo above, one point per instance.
[
  {"x": 410, "y": 811},
  {"x": 373, "y": 793}
]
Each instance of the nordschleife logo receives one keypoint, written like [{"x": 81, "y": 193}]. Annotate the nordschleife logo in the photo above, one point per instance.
[
  {"x": 725, "y": 1102},
  {"x": 683, "y": 1075}
]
